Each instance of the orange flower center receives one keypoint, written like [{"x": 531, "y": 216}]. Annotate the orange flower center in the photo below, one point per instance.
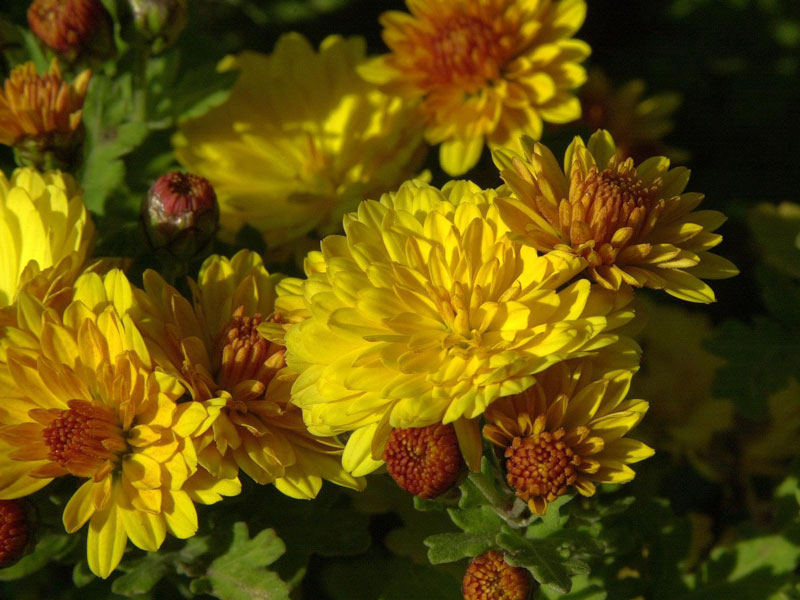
[
  {"x": 609, "y": 208},
  {"x": 541, "y": 466},
  {"x": 489, "y": 577},
  {"x": 424, "y": 461},
  {"x": 86, "y": 439},
  {"x": 466, "y": 51},
  {"x": 247, "y": 361},
  {"x": 14, "y": 532},
  {"x": 65, "y": 24}
]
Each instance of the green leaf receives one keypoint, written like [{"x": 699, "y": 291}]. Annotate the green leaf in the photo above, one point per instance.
[
  {"x": 540, "y": 557},
  {"x": 143, "y": 574},
  {"x": 777, "y": 231},
  {"x": 480, "y": 519},
  {"x": 47, "y": 549},
  {"x": 82, "y": 575},
  {"x": 450, "y": 547},
  {"x": 239, "y": 574},
  {"x": 760, "y": 359}
]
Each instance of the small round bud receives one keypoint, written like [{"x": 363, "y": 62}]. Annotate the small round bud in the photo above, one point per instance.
[
  {"x": 489, "y": 577},
  {"x": 180, "y": 214},
  {"x": 160, "y": 22},
  {"x": 72, "y": 27},
  {"x": 15, "y": 532},
  {"x": 424, "y": 461}
]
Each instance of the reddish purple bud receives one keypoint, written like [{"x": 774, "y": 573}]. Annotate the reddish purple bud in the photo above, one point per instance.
[
  {"x": 180, "y": 214},
  {"x": 15, "y": 532}
]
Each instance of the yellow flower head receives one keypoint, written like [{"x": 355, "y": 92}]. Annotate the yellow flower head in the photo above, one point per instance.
[
  {"x": 638, "y": 125},
  {"x": 216, "y": 349},
  {"x": 33, "y": 105},
  {"x": 426, "y": 312},
  {"x": 568, "y": 431},
  {"x": 43, "y": 224},
  {"x": 80, "y": 397},
  {"x": 634, "y": 225},
  {"x": 301, "y": 140},
  {"x": 483, "y": 71}
]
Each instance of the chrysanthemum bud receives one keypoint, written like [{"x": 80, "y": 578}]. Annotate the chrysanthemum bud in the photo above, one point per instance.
[
  {"x": 180, "y": 214},
  {"x": 40, "y": 116},
  {"x": 72, "y": 27},
  {"x": 15, "y": 532},
  {"x": 489, "y": 577},
  {"x": 424, "y": 461},
  {"x": 159, "y": 21}
]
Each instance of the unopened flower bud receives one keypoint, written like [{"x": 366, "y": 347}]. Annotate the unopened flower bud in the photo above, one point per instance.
[
  {"x": 42, "y": 116},
  {"x": 15, "y": 532},
  {"x": 424, "y": 461},
  {"x": 73, "y": 27},
  {"x": 490, "y": 577},
  {"x": 180, "y": 214},
  {"x": 160, "y": 22}
]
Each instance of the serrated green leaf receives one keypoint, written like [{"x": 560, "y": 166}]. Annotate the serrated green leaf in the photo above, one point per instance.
[
  {"x": 480, "y": 519},
  {"x": 82, "y": 575},
  {"x": 450, "y": 547},
  {"x": 239, "y": 574},
  {"x": 46, "y": 550},
  {"x": 425, "y": 504},
  {"x": 539, "y": 557},
  {"x": 143, "y": 574}
]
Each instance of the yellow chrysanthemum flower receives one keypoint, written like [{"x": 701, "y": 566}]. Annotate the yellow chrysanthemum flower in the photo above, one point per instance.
[
  {"x": 486, "y": 71},
  {"x": 567, "y": 431},
  {"x": 80, "y": 397},
  {"x": 634, "y": 225},
  {"x": 638, "y": 125},
  {"x": 427, "y": 312},
  {"x": 301, "y": 140},
  {"x": 216, "y": 350},
  {"x": 43, "y": 224}
]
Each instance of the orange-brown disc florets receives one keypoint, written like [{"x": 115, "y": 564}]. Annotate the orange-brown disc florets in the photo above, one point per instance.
[
  {"x": 606, "y": 210},
  {"x": 489, "y": 577},
  {"x": 245, "y": 357},
  {"x": 67, "y": 25},
  {"x": 15, "y": 532},
  {"x": 424, "y": 461},
  {"x": 86, "y": 440},
  {"x": 467, "y": 51},
  {"x": 541, "y": 466}
]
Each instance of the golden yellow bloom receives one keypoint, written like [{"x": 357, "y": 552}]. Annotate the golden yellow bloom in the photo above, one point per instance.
[
  {"x": 634, "y": 225},
  {"x": 41, "y": 114},
  {"x": 487, "y": 71},
  {"x": 567, "y": 431},
  {"x": 80, "y": 397},
  {"x": 46, "y": 232},
  {"x": 301, "y": 140},
  {"x": 425, "y": 312},
  {"x": 638, "y": 125},
  {"x": 216, "y": 350}
]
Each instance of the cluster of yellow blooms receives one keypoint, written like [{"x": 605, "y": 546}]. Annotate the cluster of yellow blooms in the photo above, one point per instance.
[{"x": 498, "y": 312}]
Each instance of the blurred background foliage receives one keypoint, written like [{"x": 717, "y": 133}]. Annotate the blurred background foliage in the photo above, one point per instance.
[{"x": 715, "y": 514}]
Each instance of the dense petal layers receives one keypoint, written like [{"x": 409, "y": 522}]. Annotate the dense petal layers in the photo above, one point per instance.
[
  {"x": 426, "y": 312},
  {"x": 80, "y": 397},
  {"x": 44, "y": 226},
  {"x": 216, "y": 348},
  {"x": 483, "y": 71},
  {"x": 634, "y": 225},
  {"x": 568, "y": 430},
  {"x": 301, "y": 140}
]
